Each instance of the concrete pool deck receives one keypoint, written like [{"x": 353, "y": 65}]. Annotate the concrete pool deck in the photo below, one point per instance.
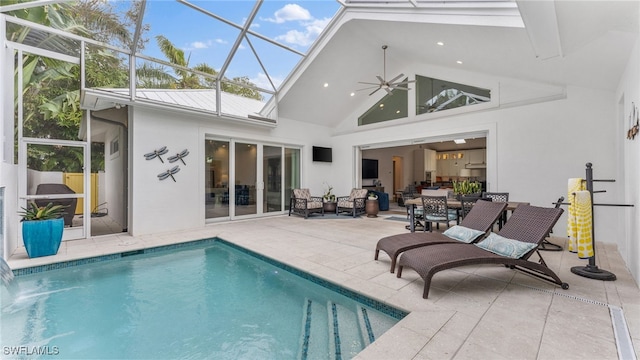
[{"x": 479, "y": 312}]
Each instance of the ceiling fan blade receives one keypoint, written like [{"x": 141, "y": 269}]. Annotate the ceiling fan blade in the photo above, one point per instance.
[
  {"x": 396, "y": 78},
  {"x": 388, "y": 90},
  {"x": 368, "y": 88},
  {"x": 381, "y": 79},
  {"x": 398, "y": 88},
  {"x": 402, "y": 83},
  {"x": 374, "y": 91},
  {"x": 368, "y": 83}
]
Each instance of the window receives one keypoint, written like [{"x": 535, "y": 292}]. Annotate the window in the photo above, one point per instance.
[
  {"x": 114, "y": 147},
  {"x": 394, "y": 105},
  {"x": 434, "y": 95}
]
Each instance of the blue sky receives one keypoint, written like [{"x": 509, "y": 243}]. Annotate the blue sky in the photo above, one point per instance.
[{"x": 204, "y": 39}]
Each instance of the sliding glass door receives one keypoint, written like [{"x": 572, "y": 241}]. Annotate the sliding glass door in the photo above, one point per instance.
[
  {"x": 244, "y": 179},
  {"x": 216, "y": 179},
  {"x": 272, "y": 175}
]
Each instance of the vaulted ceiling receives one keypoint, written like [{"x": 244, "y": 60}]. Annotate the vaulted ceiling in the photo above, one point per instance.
[{"x": 563, "y": 43}]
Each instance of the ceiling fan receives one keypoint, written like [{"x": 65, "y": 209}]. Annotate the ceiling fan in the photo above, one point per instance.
[{"x": 390, "y": 85}]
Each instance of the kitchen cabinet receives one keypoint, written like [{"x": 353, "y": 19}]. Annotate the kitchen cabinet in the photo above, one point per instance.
[
  {"x": 451, "y": 162},
  {"x": 476, "y": 156}
]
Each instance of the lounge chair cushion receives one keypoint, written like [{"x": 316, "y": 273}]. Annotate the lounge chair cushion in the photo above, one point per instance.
[
  {"x": 463, "y": 234},
  {"x": 450, "y": 216},
  {"x": 506, "y": 247},
  {"x": 302, "y": 194},
  {"x": 355, "y": 194},
  {"x": 306, "y": 194}
]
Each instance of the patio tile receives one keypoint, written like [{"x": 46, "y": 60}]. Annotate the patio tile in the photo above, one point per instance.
[{"x": 471, "y": 311}]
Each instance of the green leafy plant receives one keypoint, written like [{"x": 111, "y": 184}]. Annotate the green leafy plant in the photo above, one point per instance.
[
  {"x": 34, "y": 212},
  {"x": 372, "y": 196},
  {"x": 329, "y": 196},
  {"x": 466, "y": 187}
]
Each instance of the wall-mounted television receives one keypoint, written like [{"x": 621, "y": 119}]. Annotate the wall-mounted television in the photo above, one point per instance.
[
  {"x": 369, "y": 168},
  {"x": 322, "y": 154}
]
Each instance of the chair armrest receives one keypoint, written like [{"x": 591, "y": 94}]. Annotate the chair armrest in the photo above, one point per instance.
[
  {"x": 342, "y": 198},
  {"x": 316, "y": 198}
]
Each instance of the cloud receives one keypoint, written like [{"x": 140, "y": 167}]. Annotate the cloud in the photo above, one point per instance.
[
  {"x": 262, "y": 81},
  {"x": 197, "y": 45},
  {"x": 307, "y": 35},
  {"x": 309, "y": 27},
  {"x": 290, "y": 12}
]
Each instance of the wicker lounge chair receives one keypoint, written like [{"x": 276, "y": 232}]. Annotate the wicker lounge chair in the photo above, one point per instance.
[
  {"x": 481, "y": 217},
  {"x": 527, "y": 225}
]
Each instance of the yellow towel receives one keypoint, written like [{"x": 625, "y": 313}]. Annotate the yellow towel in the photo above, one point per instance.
[
  {"x": 581, "y": 240},
  {"x": 575, "y": 184}
]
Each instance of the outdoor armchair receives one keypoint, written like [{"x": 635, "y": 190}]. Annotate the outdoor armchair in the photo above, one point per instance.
[
  {"x": 303, "y": 204},
  {"x": 354, "y": 204}
]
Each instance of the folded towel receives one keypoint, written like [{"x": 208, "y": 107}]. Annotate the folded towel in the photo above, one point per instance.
[
  {"x": 581, "y": 240},
  {"x": 574, "y": 185}
]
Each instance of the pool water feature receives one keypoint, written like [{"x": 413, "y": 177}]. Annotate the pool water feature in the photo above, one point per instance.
[
  {"x": 209, "y": 300},
  {"x": 6, "y": 275}
]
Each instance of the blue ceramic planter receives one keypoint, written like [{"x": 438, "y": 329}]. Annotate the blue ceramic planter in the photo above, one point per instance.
[{"x": 42, "y": 238}]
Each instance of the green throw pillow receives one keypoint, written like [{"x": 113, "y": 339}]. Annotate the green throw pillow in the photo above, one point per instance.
[
  {"x": 463, "y": 234},
  {"x": 506, "y": 247}
]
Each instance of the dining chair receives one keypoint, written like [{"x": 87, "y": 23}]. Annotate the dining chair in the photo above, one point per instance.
[
  {"x": 435, "y": 210},
  {"x": 498, "y": 197},
  {"x": 466, "y": 202},
  {"x": 417, "y": 210}
]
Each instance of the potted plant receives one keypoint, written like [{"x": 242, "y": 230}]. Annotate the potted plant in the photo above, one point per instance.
[
  {"x": 329, "y": 196},
  {"x": 372, "y": 196},
  {"x": 466, "y": 187},
  {"x": 42, "y": 228}
]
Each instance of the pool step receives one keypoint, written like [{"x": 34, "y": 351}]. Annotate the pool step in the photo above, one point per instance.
[{"x": 333, "y": 331}]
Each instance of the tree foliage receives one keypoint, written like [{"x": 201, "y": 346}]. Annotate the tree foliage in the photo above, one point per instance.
[{"x": 51, "y": 87}]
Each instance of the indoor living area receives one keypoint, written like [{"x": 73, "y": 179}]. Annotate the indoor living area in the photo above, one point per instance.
[{"x": 426, "y": 165}]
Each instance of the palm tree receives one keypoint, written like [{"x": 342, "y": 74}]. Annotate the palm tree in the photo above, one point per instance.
[{"x": 156, "y": 76}]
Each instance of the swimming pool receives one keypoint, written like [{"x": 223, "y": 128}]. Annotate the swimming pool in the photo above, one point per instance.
[{"x": 210, "y": 299}]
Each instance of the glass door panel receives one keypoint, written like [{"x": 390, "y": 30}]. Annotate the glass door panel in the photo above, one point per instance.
[
  {"x": 216, "y": 179},
  {"x": 291, "y": 174},
  {"x": 55, "y": 174},
  {"x": 272, "y": 177},
  {"x": 246, "y": 161}
]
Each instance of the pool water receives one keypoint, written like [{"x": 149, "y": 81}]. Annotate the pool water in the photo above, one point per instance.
[{"x": 204, "y": 301}]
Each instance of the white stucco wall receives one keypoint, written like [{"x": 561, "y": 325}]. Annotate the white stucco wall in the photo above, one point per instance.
[
  {"x": 531, "y": 150},
  {"x": 628, "y": 94},
  {"x": 158, "y": 206},
  {"x": 9, "y": 179}
]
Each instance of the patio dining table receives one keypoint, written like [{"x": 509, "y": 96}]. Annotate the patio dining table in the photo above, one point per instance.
[{"x": 451, "y": 203}]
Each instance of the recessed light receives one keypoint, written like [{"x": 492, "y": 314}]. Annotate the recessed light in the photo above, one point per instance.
[
  {"x": 440, "y": 43},
  {"x": 352, "y": 94},
  {"x": 381, "y": 105},
  {"x": 459, "y": 141},
  {"x": 397, "y": 111},
  {"x": 459, "y": 62},
  {"x": 326, "y": 85}
]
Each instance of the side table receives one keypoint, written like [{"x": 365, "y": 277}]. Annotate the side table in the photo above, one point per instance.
[
  {"x": 371, "y": 208},
  {"x": 329, "y": 207}
]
